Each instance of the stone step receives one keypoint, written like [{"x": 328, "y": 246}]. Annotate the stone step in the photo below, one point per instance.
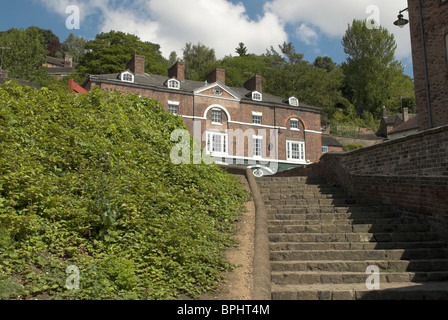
[
  {"x": 312, "y": 277},
  {"x": 331, "y": 216},
  {"x": 353, "y": 237},
  {"x": 389, "y": 291},
  {"x": 355, "y": 210},
  {"x": 292, "y": 246},
  {"x": 337, "y": 222},
  {"x": 432, "y": 265},
  {"x": 357, "y": 228},
  {"x": 358, "y": 255}
]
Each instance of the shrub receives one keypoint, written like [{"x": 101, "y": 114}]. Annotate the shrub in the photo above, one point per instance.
[{"x": 86, "y": 180}]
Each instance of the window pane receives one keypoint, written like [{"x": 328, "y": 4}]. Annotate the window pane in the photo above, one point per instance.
[
  {"x": 294, "y": 124},
  {"x": 216, "y": 116},
  {"x": 257, "y": 119},
  {"x": 258, "y": 147},
  {"x": 173, "y": 109}
]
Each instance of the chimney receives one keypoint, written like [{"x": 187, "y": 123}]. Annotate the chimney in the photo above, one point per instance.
[
  {"x": 137, "y": 64},
  {"x": 405, "y": 115},
  {"x": 255, "y": 84},
  {"x": 384, "y": 112},
  {"x": 68, "y": 61},
  {"x": 177, "y": 71},
  {"x": 217, "y": 75},
  {"x": 3, "y": 74}
]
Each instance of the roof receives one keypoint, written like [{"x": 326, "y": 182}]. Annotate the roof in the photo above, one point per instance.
[
  {"x": 24, "y": 82},
  {"x": 58, "y": 62},
  {"x": 396, "y": 120},
  {"x": 328, "y": 141},
  {"x": 60, "y": 70},
  {"x": 189, "y": 87},
  {"x": 411, "y": 124}
]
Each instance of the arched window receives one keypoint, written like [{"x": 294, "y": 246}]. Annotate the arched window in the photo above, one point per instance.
[
  {"x": 173, "y": 84},
  {"x": 127, "y": 77}
]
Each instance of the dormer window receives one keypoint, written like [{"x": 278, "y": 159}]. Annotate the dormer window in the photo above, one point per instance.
[
  {"x": 127, "y": 77},
  {"x": 293, "y": 101},
  {"x": 173, "y": 84},
  {"x": 257, "y": 96}
]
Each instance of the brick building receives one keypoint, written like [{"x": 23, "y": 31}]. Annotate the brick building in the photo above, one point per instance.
[
  {"x": 431, "y": 81},
  {"x": 242, "y": 126}
]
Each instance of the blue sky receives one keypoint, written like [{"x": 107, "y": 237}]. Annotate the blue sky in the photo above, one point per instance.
[{"x": 315, "y": 27}]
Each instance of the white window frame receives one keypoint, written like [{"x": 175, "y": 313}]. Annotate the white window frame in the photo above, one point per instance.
[
  {"x": 127, "y": 73},
  {"x": 294, "y": 120},
  {"x": 173, "y": 84},
  {"x": 257, "y": 96},
  {"x": 214, "y": 118},
  {"x": 324, "y": 149},
  {"x": 257, "y": 118},
  {"x": 257, "y": 151},
  {"x": 217, "y": 143},
  {"x": 290, "y": 152},
  {"x": 293, "y": 101}
]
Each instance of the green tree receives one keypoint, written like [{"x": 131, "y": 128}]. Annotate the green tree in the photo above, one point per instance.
[
  {"x": 110, "y": 52},
  {"x": 198, "y": 58},
  {"x": 26, "y": 56},
  {"x": 241, "y": 50},
  {"x": 74, "y": 46},
  {"x": 372, "y": 73}
]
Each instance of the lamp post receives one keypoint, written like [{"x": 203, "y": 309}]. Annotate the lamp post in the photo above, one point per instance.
[{"x": 401, "y": 22}]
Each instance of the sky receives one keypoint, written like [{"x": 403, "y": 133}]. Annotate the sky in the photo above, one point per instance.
[{"x": 315, "y": 27}]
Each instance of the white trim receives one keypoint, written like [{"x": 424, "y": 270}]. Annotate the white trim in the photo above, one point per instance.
[
  {"x": 254, "y": 93},
  {"x": 199, "y": 91},
  {"x": 289, "y": 150},
  {"x": 265, "y": 160},
  {"x": 258, "y": 114},
  {"x": 173, "y": 80},
  {"x": 174, "y": 103},
  {"x": 312, "y": 131}
]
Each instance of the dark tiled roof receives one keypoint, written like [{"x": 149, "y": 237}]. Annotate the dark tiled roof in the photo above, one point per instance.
[
  {"x": 60, "y": 70},
  {"x": 189, "y": 86},
  {"x": 24, "y": 82},
  {"x": 411, "y": 124},
  {"x": 328, "y": 141}
]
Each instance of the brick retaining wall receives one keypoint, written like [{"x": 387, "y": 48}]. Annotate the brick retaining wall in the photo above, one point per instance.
[{"x": 410, "y": 173}]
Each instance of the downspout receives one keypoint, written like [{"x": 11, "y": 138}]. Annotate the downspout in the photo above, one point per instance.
[{"x": 425, "y": 62}]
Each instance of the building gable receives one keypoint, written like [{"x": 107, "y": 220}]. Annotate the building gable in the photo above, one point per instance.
[{"x": 217, "y": 91}]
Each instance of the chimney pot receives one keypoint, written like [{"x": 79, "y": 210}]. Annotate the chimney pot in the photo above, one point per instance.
[
  {"x": 405, "y": 114},
  {"x": 255, "y": 84},
  {"x": 137, "y": 64},
  {"x": 217, "y": 75},
  {"x": 177, "y": 71},
  {"x": 68, "y": 61}
]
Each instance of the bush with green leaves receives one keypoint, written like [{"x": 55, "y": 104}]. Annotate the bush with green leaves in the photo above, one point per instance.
[{"x": 87, "y": 180}]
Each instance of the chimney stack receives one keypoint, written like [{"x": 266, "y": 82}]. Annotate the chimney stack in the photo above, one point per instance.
[
  {"x": 405, "y": 114},
  {"x": 177, "y": 71},
  {"x": 137, "y": 64},
  {"x": 217, "y": 75},
  {"x": 68, "y": 61},
  {"x": 3, "y": 74},
  {"x": 255, "y": 84},
  {"x": 384, "y": 112}
]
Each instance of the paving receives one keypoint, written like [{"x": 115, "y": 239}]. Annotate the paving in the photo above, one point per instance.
[{"x": 328, "y": 245}]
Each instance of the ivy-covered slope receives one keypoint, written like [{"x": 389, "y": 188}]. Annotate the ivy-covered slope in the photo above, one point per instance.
[{"x": 87, "y": 181}]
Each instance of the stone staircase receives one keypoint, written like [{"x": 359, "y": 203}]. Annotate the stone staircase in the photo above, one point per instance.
[{"x": 322, "y": 241}]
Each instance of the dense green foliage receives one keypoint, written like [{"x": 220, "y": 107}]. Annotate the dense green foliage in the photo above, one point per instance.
[
  {"x": 110, "y": 52},
  {"x": 87, "y": 180}
]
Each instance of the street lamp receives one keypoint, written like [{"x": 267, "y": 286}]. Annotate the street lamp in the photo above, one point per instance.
[{"x": 401, "y": 22}]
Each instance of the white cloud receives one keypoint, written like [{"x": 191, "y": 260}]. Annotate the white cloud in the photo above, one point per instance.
[
  {"x": 331, "y": 18},
  {"x": 218, "y": 24},
  {"x": 307, "y": 34}
]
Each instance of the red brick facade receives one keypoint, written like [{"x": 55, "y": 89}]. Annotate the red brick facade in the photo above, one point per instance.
[
  {"x": 435, "y": 25},
  {"x": 197, "y": 101}
]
